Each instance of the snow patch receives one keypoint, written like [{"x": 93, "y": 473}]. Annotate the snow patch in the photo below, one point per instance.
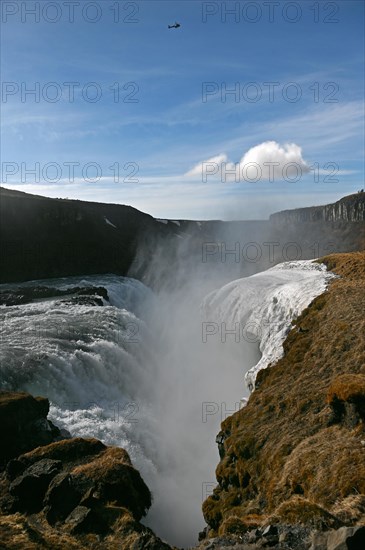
[
  {"x": 175, "y": 222},
  {"x": 108, "y": 222},
  {"x": 265, "y": 305},
  {"x": 162, "y": 221}
]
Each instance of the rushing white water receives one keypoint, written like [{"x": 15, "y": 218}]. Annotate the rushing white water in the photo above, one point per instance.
[
  {"x": 134, "y": 373},
  {"x": 147, "y": 372},
  {"x": 264, "y": 305}
]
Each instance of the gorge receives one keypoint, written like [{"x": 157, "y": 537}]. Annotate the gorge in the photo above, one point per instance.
[{"x": 109, "y": 350}]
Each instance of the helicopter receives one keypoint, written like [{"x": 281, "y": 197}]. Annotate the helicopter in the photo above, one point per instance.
[{"x": 176, "y": 26}]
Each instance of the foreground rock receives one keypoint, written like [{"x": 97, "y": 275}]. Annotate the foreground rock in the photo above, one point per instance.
[
  {"x": 72, "y": 493},
  {"x": 295, "y": 455},
  {"x": 24, "y": 424},
  {"x": 290, "y": 537}
]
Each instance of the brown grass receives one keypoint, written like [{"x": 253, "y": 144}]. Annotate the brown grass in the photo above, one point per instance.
[
  {"x": 17, "y": 533},
  {"x": 109, "y": 459},
  {"x": 299, "y": 510},
  {"x": 282, "y": 444},
  {"x": 66, "y": 450},
  {"x": 347, "y": 387}
]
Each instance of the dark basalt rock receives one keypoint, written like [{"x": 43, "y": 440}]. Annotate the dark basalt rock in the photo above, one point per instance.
[
  {"x": 23, "y": 424},
  {"x": 30, "y": 487},
  {"x": 69, "y": 488},
  {"x": 82, "y": 520},
  {"x": 75, "y": 473},
  {"x": 348, "y": 209},
  {"x": 60, "y": 499},
  {"x": 43, "y": 237}
]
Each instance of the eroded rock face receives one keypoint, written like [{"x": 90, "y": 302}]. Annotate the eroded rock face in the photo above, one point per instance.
[{"x": 347, "y": 209}]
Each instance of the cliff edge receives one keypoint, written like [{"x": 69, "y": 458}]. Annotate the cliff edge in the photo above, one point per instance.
[
  {"x": 296, "y": 453},
  {"x": 348, "y": 209}
]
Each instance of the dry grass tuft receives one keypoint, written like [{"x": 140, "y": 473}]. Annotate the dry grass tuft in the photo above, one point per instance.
[
  {"x": 234, "y": 525},
  {"x": 105, "y": 462},
  {"x": 66, "y": 450},
  {"x": 299, "y": 510}
]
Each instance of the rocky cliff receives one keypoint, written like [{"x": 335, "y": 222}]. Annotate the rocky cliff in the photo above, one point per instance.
[
  {"x": 44, "y": 238},
  {"x": 347, "y": 209}
]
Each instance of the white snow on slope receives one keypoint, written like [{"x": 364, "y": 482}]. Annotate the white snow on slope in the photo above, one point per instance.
[
  {"x": 108, "y": 222},
  {"x": 265, "y": 304},
  {"x": 161, "y": 221}
]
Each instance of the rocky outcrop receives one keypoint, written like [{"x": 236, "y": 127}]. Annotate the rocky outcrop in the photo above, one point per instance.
[
  {"x": 72, "y": 493},
  {"x": 294, "y": 455},
  {"x": 347, "y": 209},
  {"x": 78, "y": 483},
  {"x": 346, "y": 396},
  {"x": 24, "y": 424},
  {"x": 288, "y": 537}
]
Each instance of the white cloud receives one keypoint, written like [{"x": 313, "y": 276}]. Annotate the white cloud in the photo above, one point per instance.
[
  {"x": 267, "y": 161},
  {"x": 197, "y": 170}
]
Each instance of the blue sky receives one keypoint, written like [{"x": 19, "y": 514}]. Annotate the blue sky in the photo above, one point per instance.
[{"x": 297, "y": 69}]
